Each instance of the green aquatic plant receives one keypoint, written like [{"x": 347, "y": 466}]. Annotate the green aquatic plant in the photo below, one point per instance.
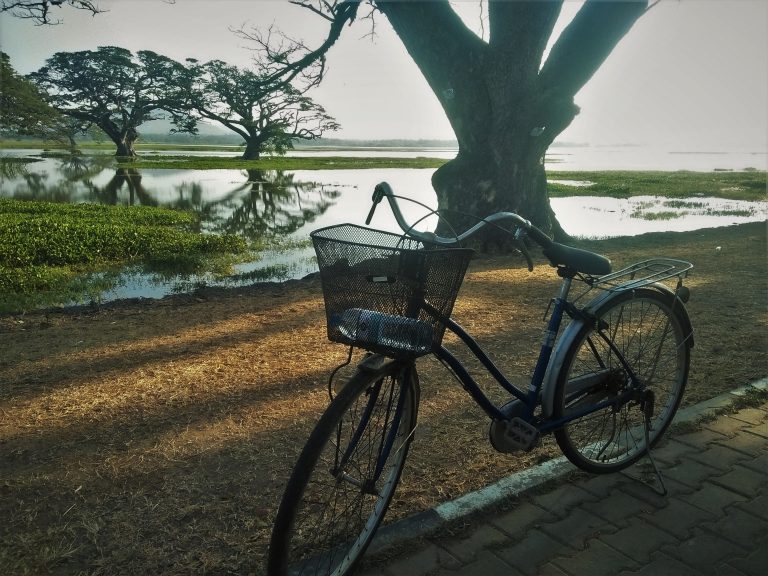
[{"x": 51, "y": 249}]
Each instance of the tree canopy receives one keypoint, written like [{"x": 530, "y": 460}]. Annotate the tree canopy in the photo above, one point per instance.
[
  {"x": 117, "y": 91},
  {"x": 265, "y": 110},
  {"x": 22, "y": 107}
]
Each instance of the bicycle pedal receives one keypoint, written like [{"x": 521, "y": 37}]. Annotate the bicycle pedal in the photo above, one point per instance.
[{"x": 512, "y": 435}]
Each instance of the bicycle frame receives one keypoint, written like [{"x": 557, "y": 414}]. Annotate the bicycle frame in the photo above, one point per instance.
[{"x": 530, "y": 398}]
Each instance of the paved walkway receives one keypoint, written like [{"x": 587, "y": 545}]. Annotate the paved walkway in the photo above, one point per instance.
[{"x": 714, "y": 519}]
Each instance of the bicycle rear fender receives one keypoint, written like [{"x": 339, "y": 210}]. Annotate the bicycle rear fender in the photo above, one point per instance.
[{"x": 572, "y": 331}]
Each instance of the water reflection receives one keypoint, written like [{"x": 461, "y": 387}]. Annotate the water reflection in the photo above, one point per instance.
[
  {"x": 269, "y": 206},
  {"x": 255, "y": 204}
]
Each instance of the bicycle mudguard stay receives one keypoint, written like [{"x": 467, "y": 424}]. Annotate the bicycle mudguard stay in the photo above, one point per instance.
[{"x": 573, "y": 329}]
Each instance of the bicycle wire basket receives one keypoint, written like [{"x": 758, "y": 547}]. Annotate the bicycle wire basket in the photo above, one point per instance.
[{"x": 386, "y": 292}]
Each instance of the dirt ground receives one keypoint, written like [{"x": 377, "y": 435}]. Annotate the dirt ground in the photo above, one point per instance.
[{"x": 155, "y": 437}]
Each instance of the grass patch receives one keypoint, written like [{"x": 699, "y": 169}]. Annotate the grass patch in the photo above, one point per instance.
[
  {"x": 49, "y": 249},
  {"x": 282, "y": 163},
  {"x": 747, "y": 185},
  {"x": 663, "y": 215}
]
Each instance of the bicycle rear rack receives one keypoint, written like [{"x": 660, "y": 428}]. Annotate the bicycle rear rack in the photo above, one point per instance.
[{"x": 642, "y": 274}]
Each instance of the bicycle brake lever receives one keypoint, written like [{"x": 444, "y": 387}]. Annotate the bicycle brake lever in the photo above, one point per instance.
[
  {"x": 522, "y": 248},
  {"x": 378, "y": 194}
]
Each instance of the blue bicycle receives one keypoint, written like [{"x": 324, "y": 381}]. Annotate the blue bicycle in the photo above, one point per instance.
[{"x": 608, "y": 386}]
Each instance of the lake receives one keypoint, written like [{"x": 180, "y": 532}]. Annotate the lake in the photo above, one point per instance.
[{"x": 288, "y": 205}]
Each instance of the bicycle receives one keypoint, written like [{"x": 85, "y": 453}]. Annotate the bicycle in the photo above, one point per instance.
[{"x": 607, "y": 387}]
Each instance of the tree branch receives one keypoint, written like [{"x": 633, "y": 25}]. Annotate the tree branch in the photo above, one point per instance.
[
  {"x": 586, "y": 43},
  {"x": 39, "y": 10},
  {"x": 520, "y": 30}
]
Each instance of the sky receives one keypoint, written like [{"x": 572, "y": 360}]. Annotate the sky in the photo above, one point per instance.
[{"x": 691, "y": 75}]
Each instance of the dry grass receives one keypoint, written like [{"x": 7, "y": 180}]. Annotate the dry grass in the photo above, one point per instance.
[{"x": 151, "y": 438}]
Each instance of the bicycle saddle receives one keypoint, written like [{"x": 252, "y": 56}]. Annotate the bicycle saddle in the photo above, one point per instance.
[{"x": 582, "y": 261}]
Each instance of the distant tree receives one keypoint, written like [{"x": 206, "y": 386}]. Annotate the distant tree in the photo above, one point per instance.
[
  {"x": 23, "y": 109},
  {"x": 117, "y": 91},
  {"x": 505, "y": 101},
  {"x": 267, "y": 111},
  {"x": 40, "y": 10}
]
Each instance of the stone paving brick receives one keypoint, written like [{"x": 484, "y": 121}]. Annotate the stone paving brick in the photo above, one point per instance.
[
  {"x": 678, "y": 518},
  {"x": 738, "y": 526},
  {"x": 726, "y": 425},
  {"x": 578, "y": 527},
  {"x": 532, "y": 551},
  {"x": 486, "y": 564},
  {"x": 758, "y": 430},
  {"x": 518, "y": 521},
  {"x": 758, "y": 463},
  {"x": 720, "y": 456},
  {"x": 727, "y": 570},
  {"x": 703, "y": 551},
  {"x": 700, "y": 438},
  {"x": 600, "y": 485},
  {"x": 597, "y": 559},
  {"x": 743, "y": 481},
  {"x": 747, "y": 443},
  {"x": 639, "y": 541},
  {"x": 549, "y": 569},
  {"x": 713, "y": 498},
  {"x": 562, "y": 499},
  {"x": 754, "y": 416},
  {"x": 663, "y": 565},
  {"x": 757, "y": 506},
  {"x": 672, "y": 451},
  {"x": 619, "y": 507},
  {"x": 466, "y": 548},
  {"x": 756, "y": 562},
  {"x": 691, "y": 473},
  {"x": 428, "y": 560}
]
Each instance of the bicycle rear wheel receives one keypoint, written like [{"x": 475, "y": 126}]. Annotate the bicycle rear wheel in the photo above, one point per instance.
[
  {"x": 346, "y": 474},
  {"x": 649, "y": 335}
]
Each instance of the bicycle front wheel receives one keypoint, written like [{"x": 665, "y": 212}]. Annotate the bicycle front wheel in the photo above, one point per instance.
[
  {"x": 346, "y": 474},
  {"x": 649, "y": 343}
]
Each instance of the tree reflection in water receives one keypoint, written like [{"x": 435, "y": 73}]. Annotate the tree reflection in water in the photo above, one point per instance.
[
  {"x": 270, "y": 205},
  {"x": 130, "y": 178},
  {"x": 276, "y": 205}
]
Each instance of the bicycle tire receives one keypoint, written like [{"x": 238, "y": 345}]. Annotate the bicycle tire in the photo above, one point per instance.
[
  {"x": 649, "y": 333},
  {"x": 328, "y": 516}
]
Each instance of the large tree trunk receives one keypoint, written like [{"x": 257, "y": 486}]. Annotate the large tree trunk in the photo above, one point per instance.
[
  {"x": 505, "y": 108},
  {"x": 477, "y": 185},
  {"x": 252, "y": 150},
  {"x": 125, "y": 140}
]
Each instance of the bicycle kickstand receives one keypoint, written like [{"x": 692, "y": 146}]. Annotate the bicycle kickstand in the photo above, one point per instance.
[{"x": 647, "y": 406}]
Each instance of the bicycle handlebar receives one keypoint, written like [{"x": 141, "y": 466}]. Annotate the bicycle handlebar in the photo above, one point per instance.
[{"x": 383, "y": 189}]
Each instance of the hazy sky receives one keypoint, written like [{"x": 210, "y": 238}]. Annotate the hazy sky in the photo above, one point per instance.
[{"x": 690, "y": 75}]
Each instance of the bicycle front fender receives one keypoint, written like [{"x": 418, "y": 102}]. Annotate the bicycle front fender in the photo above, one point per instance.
[{"x": 574, "y": 328}]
